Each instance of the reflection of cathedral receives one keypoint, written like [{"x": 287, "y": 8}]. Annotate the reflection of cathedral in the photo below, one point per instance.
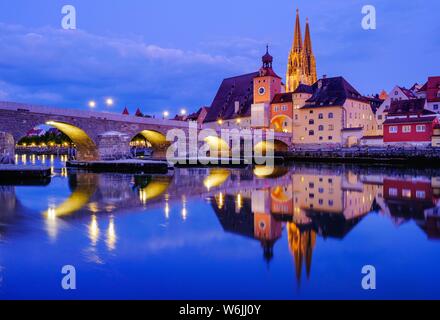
[
  {"x": 324, "y": 203},
  {"x": 301, "y": 245}
]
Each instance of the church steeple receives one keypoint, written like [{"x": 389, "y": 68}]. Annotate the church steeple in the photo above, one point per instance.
[
  {"x": 308, "y": 40},
  {"x": 297, "y": 40},
  {"x": 301, "y": 66}
]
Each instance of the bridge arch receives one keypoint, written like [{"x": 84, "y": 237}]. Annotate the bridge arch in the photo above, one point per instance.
[
  {"x": 154, "y": 139},
  {"x": 86, "y": 149},
  {"x": 277, "y": 146}
]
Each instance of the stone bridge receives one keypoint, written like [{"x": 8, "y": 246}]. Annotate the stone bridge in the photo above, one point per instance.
[{"x": 96, "y": 135}]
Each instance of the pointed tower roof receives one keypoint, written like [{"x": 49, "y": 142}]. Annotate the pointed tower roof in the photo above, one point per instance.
[
  {"x": 308, "y": 39},
  {"x": 297, "y": 40},
  {"x": 139, "y": 113},
  {"x": 125, "y": 112}
]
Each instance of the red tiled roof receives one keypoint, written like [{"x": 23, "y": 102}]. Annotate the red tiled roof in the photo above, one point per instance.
[
  {"x": 433, "y": 89},
  {"x": 282, "y": 98},
  {"x": 429, "y": 119},
  {"x": 407, "y": 107},
  {"x": 408, "y": 93}
]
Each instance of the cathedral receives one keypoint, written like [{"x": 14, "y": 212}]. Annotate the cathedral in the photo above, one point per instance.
[{"x": 301, "y": 67}]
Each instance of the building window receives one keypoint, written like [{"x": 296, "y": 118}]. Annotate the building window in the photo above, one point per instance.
[
  {"x": 393, "y": 129},
  {"x": 321, "y": 190},
  {"x": 330, "y": 203},
  {"x": 284, "y": 108},
  {"x": 311, "y": 121},
  {"x": 321, "y": 128},
  {"x": 406, "y": 193},
  {"x": 311, "y": 111},
  {"x": 379, "y": 117},
  {"x": 321, "y": 138},
  {"x": 277, "y": 108},
  {"x": 435, "y": 107},
  {"x": 296, "y": 117},
  {"x": 393, "y": 192},
  {"x": 311, "y": 133},
  {"x": 330, "y": 115},
  {"x": 406, "y": 129},
  {"x": 321, "y": 116},
  {"x": 330, "y": 137},
  {"x": 421, "y": 128},
  {"x": 331, "y": 127},
  {"x": 420, "y": 194},
  {"x": 379, "y": 127}
]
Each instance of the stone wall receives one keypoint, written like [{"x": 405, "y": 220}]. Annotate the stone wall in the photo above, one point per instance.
[
  {"x": 114, "y": 146},
  {"x": 7, "y": 145}
]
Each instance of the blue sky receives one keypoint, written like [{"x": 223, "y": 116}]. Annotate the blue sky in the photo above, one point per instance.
[{"x": 170, "y": 54}]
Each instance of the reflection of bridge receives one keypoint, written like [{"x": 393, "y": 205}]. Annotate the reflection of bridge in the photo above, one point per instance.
[{"x": 98, "y": 135}]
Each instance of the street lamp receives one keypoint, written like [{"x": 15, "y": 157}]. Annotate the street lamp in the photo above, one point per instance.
[
  {"x": 183, "y": 112},
  {"x": 92, "y": 104},
  {"x": 109, "y": 102},
  {"x": 166, "y": 114}
]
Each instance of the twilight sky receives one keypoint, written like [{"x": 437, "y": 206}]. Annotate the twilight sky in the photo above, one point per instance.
[{"x": 170, "y": 54}]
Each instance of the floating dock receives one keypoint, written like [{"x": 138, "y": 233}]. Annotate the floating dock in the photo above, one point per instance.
[
  {"x": 122, "y": 166},
  {"x": 11, "y": 174}
]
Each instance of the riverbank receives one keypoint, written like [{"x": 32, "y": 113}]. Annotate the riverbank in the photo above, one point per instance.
[
  {"x": 56, "y": 151},
  {"x": 126, "y": 166},
  {"x": 400, "y": 156}
]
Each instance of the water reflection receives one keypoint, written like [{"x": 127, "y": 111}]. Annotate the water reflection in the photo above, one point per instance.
[{"x": 303, "y": 202}]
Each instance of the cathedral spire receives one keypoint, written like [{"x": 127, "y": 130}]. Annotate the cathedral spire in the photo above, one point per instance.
[
  {"x": 297, "y": 41},
  {"x": 308, "y": 40}
]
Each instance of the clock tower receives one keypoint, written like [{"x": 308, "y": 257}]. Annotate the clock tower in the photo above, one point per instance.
[{"x": 266, "y": 85}]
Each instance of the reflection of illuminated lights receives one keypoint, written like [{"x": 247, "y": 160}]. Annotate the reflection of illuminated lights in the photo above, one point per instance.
[
  {"x": 24, "y": 159},
  {"x": 43, "y": 159},
  {"x": 184, "y": 211},
  {"x": 111, "y": 235},
  {"x": 33, "y": 159},
  {"x": 64, "y": 172},
  {"x": 143, "y": 196},
  {"x": 216, "y": 178},
  {"x": 93, "y": 207},
  {"x": 220, "y": 201},
  {"x": 51, "y": 223},
  {"x": 52, "y": 158},
  {"x": 239, "y": 201},
  {"x": 153, "y": 190},
  {"x": 167, "y": 210},
  {"x": 94, "y": 230}
]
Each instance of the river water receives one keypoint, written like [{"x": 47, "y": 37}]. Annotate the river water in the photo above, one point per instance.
[{"x": 304, "y": 232}]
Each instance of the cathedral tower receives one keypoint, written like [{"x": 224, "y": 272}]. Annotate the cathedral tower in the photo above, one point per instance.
[{"x": 301, "y": 66}]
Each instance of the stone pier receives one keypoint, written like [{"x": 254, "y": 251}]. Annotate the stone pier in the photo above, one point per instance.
[{"x": 7, "y": 148}]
